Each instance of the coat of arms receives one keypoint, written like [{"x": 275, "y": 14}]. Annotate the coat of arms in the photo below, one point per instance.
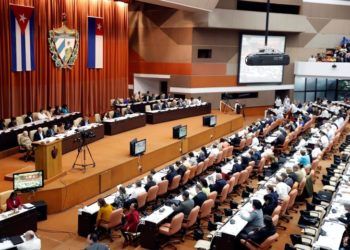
[{"x": 64, "y": 45}]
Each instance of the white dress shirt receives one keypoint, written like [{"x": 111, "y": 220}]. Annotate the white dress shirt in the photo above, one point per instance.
[
  {"x": 315, "y": 152},
  {"x": 137, "y": 191},
  {"x": 282, "y": 190},
  {"x": 324, "y": 141},
  {"x": 33, "y": 244},
  {"x": 42, "y": 116}
]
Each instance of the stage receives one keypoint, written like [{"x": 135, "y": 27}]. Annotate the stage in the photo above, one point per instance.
[{"x": 113, "y": 163}]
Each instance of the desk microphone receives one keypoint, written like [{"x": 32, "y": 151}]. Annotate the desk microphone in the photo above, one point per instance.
[{"x": 232, "y": 221}]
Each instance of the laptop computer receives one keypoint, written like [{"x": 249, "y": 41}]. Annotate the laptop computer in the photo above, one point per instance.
[{"x": 16, "y": 240}]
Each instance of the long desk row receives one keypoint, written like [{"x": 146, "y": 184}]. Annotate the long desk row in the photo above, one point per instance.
[
  {"x": 125, "y": 123},
  {"x": 140, "y": 107},
  {"x": 8, "y": 137},
  {"x": 71, "y": 139},
  {"x": 159, "y": 116}
]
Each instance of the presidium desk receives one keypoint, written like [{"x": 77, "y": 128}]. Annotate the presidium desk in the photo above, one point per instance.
[
  {"x": 159, "y": 116},
  {"x": 124, "y": 123}
]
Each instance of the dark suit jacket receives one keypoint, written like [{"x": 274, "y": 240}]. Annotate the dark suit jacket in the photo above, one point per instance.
[
  {"x": 262, "y": 234},
  {"x": 170, "y": 176},
  {"x": 235, "y": 141},
  {"x": 185, "y": 207},
  {"x": 181, "y": 170},
  {"x": 12, "y": 124},
  {"x": 83, "y": 123},
  {"x": 37, "y": 136},
  {"x": 199, "y": 199},
  {"x": 236, "y": 168},
  {"x": 28, "y": 119},
  {"x": 218, "y": 186},
  {"x": 50, "y": 133},
  {"x": 116, "y": 114},
  {"x": 280, "y": 139},
  {"x": 149, "y": 185},
  {"x": 2, "y": 126}
]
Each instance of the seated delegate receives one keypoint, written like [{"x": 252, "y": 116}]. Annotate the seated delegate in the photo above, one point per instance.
[{"x": 13, "y": 202}]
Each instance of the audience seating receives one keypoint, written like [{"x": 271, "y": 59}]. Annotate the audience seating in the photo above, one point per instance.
[
  {"x": 175, "y": 183},
  {"x": 115, "y": 222},
  {"x": 3, "y": 198},
  {"x": 263, "y": 246},
  {"x": 170, "y": 229}
]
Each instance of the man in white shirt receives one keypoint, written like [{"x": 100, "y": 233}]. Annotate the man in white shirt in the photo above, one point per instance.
[
  {"x": 31, "y": 242},
  {"x": 312, "y": 59},
  {"x": 278, "y": 102},
  {"x": 315, "y": 152},
  {"x": 324, "y": 140},
  {"x": 282, "y": 188},
  {"x": 138, "y": 190},
  {"x": 214, "y": 151},
  {"x": 197, "y": 101},
  {"x": 325, "y": 114},
  {"x": 255, "y": 142},
  {"x": 42, "y": 115}
]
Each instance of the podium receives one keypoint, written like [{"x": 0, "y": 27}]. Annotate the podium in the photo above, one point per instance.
[{"x": 48, "y": 157}]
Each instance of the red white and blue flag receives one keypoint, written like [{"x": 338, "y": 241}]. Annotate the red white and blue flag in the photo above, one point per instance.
[
  {"x": 22, "y": 38},
  {"x": 95, "y": 42}
]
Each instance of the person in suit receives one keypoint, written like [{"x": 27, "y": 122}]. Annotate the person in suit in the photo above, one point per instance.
[
  {"x": 57, "y": 111},
  {"x": 150, "y": 182},
  {"x": 117, "y": 113},
  {"x": 181, "y": 169},
  {"x": 50, "y": 131},
  {"x": 157, "y": 106},
  {"x": 269, "y": 205},
  {"x": 29, "y": 117},
  {"x": 42, "y": 115},
  {"x": 272, "y": 194},
  {"x": 2, "y": 124},
  {"x": 185, "y": 206},
  {"x": 12, "y": 123},
  {"x": 165, "y": 105},
  {"x": 128, "y": 110},
  {"x": 39, "y": 135},
  {"x": 260, "y": 235},
  {"x": 280, "y": 139},
  {"x": 219, "y": 184},
  {"x": 171, "y": 174},
  {"x": 147, "y": 97},
  {"x": 64, "y": 109},
  {"x": 255, "y": 218},
  {"x": 235, "y": 141},
  {"x": 84, "y": 121},
  {"x": 236, "y": 167},
  {"x": 200, "y": 196}
]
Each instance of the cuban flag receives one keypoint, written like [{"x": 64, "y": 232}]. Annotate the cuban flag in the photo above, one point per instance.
[
  {"x": 95, "y": 42},
  {"x": 22, "y": 38}
]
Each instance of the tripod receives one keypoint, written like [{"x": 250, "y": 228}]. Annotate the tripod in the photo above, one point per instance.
[{"x": 84, "y": 149}]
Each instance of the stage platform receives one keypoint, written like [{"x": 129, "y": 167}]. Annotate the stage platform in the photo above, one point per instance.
[{"x": 114, "y": 165}]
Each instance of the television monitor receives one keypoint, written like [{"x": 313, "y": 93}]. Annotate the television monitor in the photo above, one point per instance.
[
  {"x": 209, "y": 120},
  {"x": 28, "y": 181},
  {"x": 250, "y": 44},
  {"x": 179, "y": 132},
  {"x": 137, "y": 147}
]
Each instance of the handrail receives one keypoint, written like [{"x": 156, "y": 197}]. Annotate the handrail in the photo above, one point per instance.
[{"x": 226, "y": 107}]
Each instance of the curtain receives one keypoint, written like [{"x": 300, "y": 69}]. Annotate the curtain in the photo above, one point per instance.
[{"x": 82, "y": 89}]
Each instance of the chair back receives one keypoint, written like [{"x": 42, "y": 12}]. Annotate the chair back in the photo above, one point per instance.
[
  {"x": 261, "y": 165},
  {"x": 242, "y": 144},
  {"x": 243, "y": 177},
  {"x": 199, "y": 169},
  {"x": 141, "y": 199},
  {"x": 249, "y": 141},
  {"x": 229, "y": 152},
  {"x": 3, "y": 198},
  {"x": 19, "y": 120},
  {"x": 193, "y": 170},
  {"x": 249, "y": 170},
  {"x": 206, "y": 207},
  {"x": 231, "y": 184},
  {"x": 292, "y": 196},
  {"x": 98, "y": 118},
  {"x": 77, "y": 121},
  {"x": 213, "y": 195},
  {"x": 112, "y": 101},
  {"x": 224, "y": 153},
  {"x": 31, "y": 134},
  {"x": 295, "y": 185},
  {"x": 284, "y": 205},
  {"x": 313, "y": 175},
  {"x": 185, "y": 178},
  {"x": 7, "y": 121},
  {"x": 301, "y": 186},
  {"x": 116, "y": 218},
  {"x": 205, "y": 166},
  {"x": 237, "y": 176},
  {"x": 176, "y": 223},
  {"x": 111, "y": 114},
  {"x": 175, "y": 183},
  {"x": 277, "y": 211},
  {"x": 275, "y": 219},
  {"x": 314, "y": 164},
  {"x": 148, "y": 108},
  {"x": 219, "y": 158},
  {"x": 224, "y": 192},
  {"x": 163, "y": 187},
  {"x": 211, "y": 159},
  {"x": 19, "y": 138},
  {"x": 152, "y": 193},
  {"x": 269, "y": 241},
  {"x": 192, "y": 218}
]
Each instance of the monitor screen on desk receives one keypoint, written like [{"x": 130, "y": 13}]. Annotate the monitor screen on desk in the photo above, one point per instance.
[
  {"x": 179, "y": 132},
  {"x": 137, "y": 147},
  {"x": 28, "y": 180},
  {"x": 209, "y": 120}
]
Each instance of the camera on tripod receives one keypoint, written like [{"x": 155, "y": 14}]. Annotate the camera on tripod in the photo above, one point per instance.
[
  {"x": 84, "y": 134},
  {"x": 83, "y": 149}
]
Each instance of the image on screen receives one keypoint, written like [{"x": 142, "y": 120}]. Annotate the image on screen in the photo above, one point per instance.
[
  {"x": 212, "y": 120},
  {"x": 140, "y": 147},
  {"x": 28, "y": 180},
  {"x": 251, "y": 44},
  {"x": 183, "y": 132}
]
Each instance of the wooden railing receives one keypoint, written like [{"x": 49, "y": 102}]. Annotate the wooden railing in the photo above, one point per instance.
[{"x": 226, "y": 107}]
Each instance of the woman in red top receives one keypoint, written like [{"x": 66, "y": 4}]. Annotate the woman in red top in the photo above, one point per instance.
[
  {"x": 13, "y": 202},
  {"x": 132, "y": 220}
]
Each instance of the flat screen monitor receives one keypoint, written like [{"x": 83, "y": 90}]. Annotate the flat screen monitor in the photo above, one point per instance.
[
  {"x": 28, "y": 181},
  {"x": 209, "y": 120},
  {"x": 137, "y": 147},
  {"x": 250, "y": 44},
  {"x": 179, "y": 132}
]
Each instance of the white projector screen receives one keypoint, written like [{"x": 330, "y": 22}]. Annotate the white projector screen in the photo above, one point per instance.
[{"x": 251, "y": 44}]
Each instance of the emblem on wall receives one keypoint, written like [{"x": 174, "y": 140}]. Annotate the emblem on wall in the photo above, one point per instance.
[{"x": 64, "y": 45}]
